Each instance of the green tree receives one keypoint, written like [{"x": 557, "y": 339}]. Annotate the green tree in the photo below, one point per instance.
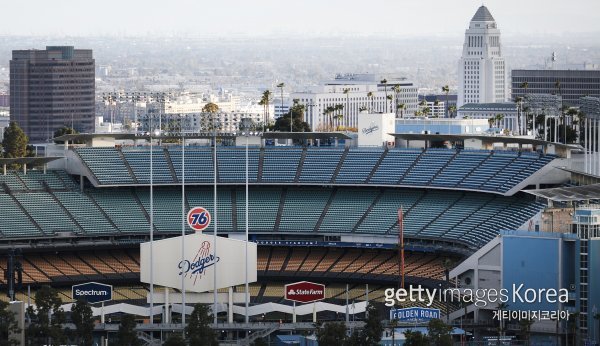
[
  {"x": 47, "y": 318},
  {"x": 260, "y": 342},
  {"x": 356, "y": 339},
  {"x": 282, "y": 124},
  {"x": 175, "y": 339},
  {"x": 8, "y": 325},
  {"x": 65, "y": 130},
  {"x": 82, "y": 317},
  {"x": 373, "y": 327},
  {"x": 439, "y": 332},
  {"x": 127, "y": 336},
  {"x": 198, "y": 330},
  {"x": 525, "y": 326},
  {"x": 210, "y": 108},
  {"x": 397, "y": 90},
  {"x": 15, "y": 141},
  {"x": 415, "y": 338},
  {"x": 332, "y": 333}
]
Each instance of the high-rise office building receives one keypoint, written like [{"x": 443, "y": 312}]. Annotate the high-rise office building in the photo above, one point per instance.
[
  {"x": 50, "y": 89},
  {"x": 482, "y": 69},
  {"x": 571, "y": 85}
]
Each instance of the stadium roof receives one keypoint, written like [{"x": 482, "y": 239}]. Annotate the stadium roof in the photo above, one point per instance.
[
  {"x": 86, "y": 137},
  {"x": 34, "y": 161},
  {"x": 484, "y": 138},
  {"x": 498, "y": 106},
  {"x": 566, "y": 194},
  {"x": 305, "y": 135}
]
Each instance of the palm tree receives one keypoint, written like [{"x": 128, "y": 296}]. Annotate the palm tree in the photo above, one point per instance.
[
  {"x": 519, "y": 102},
  {"x": 401, "y": 107},
  {"x": 526, "y": 329},
  {"x": 326, "y": 112},
  {"x": 436, "y": 103},
  {"x": 281, "y": 86},
  {"x": 329, "y": 114},
  {"x": 370, "y": 96},
  {"x": 422, "y": 105},
  {"x": 446, "y": 89},
  {"x": 524, "y": 85},
  {"x": 266, "y": 98},
  {"x": 339, "y": 116},
  {"x": 491, "y": 121},
  {"x": 396, "y": 90},
  {"x": 501, "y": 307},
  {"x": 452, "y": 110},
  {"x": 347, "y": 93},
  {"x": 499, "y": 118},
  {"x": 389, "y": 98},
  {"x": 426, "y": 111},
  {"x": 384, "y": 82}
]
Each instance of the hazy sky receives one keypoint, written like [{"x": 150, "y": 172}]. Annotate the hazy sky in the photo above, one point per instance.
[{"x": 304, "y": 17}]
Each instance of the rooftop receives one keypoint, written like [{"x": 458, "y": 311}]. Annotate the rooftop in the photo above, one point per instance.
[
  {"x": 490, "y": 106},
  {"x": 483, "y": 15}
]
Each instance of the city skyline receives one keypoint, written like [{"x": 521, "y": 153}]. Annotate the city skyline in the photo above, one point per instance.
[{"x": 269, "y": 17}]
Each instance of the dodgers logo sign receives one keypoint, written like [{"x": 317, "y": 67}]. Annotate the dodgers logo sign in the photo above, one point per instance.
[
  {"x": 196, "y": 268},
  {"x": 198, "y": 218}
]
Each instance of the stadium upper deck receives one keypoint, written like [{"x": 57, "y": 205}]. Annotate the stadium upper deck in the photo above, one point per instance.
[
  {"x": 501, "y": 172},
  {"x": 45, "y": 206}
]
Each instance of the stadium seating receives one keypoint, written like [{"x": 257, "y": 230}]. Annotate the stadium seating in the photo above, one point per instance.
[
  {"x": 493, "y": 171},
  {"x": 472, "y": 218},
  {"x": 106, "y": 165}
]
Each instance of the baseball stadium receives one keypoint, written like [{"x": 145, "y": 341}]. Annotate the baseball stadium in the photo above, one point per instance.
[{"x": 330, "y": 214}]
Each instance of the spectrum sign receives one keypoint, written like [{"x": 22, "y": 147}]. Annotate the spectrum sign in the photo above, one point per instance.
[
  {"x": 304, "y": 292},
  {"x": 92, "y": 292}
]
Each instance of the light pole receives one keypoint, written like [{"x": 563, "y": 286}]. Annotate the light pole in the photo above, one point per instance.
[
  {"x": 157, "y": 133},
  {"x": 246, "y": 125},
  {"x": 183, "y": 221},
  {"x": 215, "y": 217}
]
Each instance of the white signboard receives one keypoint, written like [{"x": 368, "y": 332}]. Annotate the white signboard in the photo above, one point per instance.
[
  {"x": 199, "y": 263},
  {"x": 374, "y": 129}
]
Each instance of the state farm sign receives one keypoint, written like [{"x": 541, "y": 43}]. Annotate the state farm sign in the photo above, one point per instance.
[{"x": 304, "y": 292}]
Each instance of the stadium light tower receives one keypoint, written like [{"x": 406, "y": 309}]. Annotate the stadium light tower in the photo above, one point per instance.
[{"x": 157, "y": 133}]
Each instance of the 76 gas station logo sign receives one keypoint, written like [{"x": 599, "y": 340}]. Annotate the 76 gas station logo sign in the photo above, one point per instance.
[{"x": 198, "y": 218}]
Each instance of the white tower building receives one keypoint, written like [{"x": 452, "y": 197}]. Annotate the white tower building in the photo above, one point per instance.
[{"x": 482, "y": 69}]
